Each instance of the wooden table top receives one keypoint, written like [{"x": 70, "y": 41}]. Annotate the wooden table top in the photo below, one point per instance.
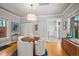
[{"x": 30, "y": 39}]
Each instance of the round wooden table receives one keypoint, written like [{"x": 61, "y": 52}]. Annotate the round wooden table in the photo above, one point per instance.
[{"x": 31, "y": 39}]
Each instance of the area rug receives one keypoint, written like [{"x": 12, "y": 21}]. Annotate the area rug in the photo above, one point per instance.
[{"x": 16, "y": 54}]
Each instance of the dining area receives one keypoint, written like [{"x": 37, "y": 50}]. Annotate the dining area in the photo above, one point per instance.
[{"x": 31, "y": 46}]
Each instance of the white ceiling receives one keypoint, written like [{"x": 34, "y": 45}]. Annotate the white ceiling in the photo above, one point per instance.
[{"x": 22, "y": 9}]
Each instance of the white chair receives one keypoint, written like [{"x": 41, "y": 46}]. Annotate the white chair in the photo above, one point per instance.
[
  {"x": 40, "y": 47},
  {"x": 20, "y": 37},
  {"x": 24, "y": 48}
]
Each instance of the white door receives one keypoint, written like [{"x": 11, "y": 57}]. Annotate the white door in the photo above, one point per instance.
[{"x": 26, "y": 28}]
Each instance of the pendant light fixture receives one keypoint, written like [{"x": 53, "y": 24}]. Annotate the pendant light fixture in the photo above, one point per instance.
[{"x": 31, "y": 16}]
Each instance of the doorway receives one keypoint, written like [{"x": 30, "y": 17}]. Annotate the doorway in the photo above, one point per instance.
[{"x": 26, "y": 28}]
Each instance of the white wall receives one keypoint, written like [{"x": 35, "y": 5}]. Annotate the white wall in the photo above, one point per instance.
[
  {"x": 9, "y": 17},
  {"x": 26, "y": 29}
]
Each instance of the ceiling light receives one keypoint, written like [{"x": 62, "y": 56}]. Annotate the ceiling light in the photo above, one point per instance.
[{"x": 31, "y": 16}]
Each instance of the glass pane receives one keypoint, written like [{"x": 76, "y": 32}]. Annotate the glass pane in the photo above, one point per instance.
[
  {"x": 75, "y": 23},
  {"x": 3, "y": 23},
  {"x": 0, "y": 23},
  {"x": 76, "y": 18}
]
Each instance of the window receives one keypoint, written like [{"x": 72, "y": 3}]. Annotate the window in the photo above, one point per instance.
[
  {"x": 0, "y": 23},
  {"x": 3, "y": 27},
  {"x": 76, "y": 18}
]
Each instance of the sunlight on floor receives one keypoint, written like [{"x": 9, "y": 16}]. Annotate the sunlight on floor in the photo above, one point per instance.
[{"x": 55, "y": 49}]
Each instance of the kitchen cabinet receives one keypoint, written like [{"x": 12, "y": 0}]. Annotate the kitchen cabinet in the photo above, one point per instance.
[{"x": 70, "y": 47}]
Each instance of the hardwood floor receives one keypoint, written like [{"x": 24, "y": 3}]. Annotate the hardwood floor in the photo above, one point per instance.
[
  {"x": 53, "y": 48},
  {"x": 8, "y": 51}
]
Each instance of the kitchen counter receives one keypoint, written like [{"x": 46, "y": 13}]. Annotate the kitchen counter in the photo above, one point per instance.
[{"x": 76, "y": 41}]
